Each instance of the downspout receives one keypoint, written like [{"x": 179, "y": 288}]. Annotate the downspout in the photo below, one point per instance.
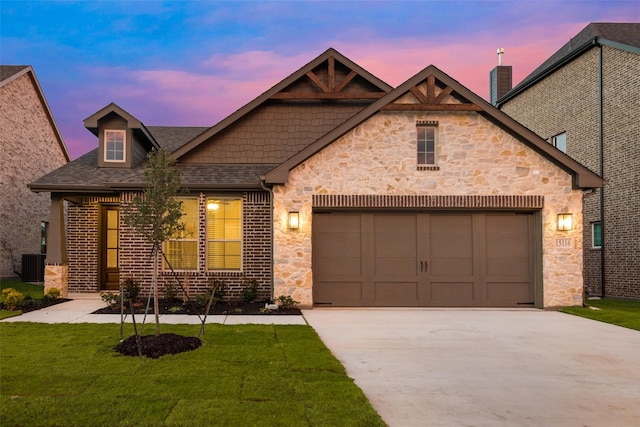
[
  {"x": 601, "y": 154},
  {"x": 271, "y": 249}
]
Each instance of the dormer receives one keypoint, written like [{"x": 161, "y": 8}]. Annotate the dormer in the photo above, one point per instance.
[{"x": 123, "y": 141}]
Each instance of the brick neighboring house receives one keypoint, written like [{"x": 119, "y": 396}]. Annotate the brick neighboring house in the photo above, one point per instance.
[
  {"x": 30, "y": 145},
  {"x": 337, "y": 189},
  {"x": 585, "y": 98}
]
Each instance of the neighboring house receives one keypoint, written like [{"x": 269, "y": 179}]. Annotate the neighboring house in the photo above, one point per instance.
[
  {"x": 30, "y": 145},
  {"x": 339, "y": 190},
  {"x": 585, "y": 99}
]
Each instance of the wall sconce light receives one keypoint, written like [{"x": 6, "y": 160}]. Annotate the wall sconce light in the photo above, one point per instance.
[
  {"x": 565, "y": 222},
  {"x": 293, "y": 220}
]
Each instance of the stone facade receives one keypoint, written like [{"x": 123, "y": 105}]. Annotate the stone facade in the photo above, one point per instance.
[
  {"x": 568, "y": 101},
  {"x": 475, "y": 158},
  {"x": 29, "y": 148}
]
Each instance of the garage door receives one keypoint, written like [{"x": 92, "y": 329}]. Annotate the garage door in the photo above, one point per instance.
[{"x": 423, "y": 259}]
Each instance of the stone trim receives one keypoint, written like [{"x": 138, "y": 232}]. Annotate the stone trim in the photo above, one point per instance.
[
  {"x": 426, "y": 123},
  {"x": 428, "y": 168},
  {"x": 426, "y": 201}
]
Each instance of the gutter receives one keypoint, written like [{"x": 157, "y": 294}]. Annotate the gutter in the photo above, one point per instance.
[
  {"x": 271, "y": 249},
  {"x": 601, "y": 154}
]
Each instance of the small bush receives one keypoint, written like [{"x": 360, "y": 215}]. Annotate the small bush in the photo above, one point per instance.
[
  {"x": 250, "y": 292},
  {"x": 12, "y": 299},
  {"x": 111, "y": 299},
  {"x": 285, "y": 302},
  {"x": 131, "y": 289},
  {"x": 170, "y": 292},
  {"x": 53, "y": 293}
]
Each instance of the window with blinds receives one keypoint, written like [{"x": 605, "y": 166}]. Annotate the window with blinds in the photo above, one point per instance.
[
  {"x": 224, "y": 234},
  {"x": 181, "y": 251}
]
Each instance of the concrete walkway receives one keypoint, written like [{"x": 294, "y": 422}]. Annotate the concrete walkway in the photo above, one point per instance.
[
  {"x": 455, "y": 367},
  {"x": 79, "y": 310}
]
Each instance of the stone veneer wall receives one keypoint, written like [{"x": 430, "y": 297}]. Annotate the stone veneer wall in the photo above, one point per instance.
[
  {"x": 29, "y": 149},
  {"x": 475, "y": 158},
  {"x": 567, "y": 101}
]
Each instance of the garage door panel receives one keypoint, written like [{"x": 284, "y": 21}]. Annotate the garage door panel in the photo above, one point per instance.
[
  {"x": 395, "y": 266},
  {"x": 339, "y": 293},
  {"x": 452, "y": 293},
  {"x": 511, "y": 266},
  {"x": 509, "y": 293},
  {"x": 340, "y": 267},
  {"x": 443, "y": 267},
  {"x": 396, "y": 294},
  {"x": 423, "y": 259},
  {"x": 338, "y": 245}
]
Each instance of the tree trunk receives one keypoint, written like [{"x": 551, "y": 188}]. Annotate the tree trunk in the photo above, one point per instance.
[{"x": 156, "y": 305}]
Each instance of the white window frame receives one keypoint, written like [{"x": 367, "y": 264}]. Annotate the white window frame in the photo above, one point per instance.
[{"x": 124, "y": 145}]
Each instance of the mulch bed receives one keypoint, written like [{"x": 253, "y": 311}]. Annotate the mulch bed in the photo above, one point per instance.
[
  {"x": 177, "y": 306},
  {"x": 154, "y": 346}
]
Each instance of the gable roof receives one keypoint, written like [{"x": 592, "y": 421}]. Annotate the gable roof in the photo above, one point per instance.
[
  {"x": 9, "y": 73},
  {"x": 464, "y": 100},
  {"x": 278, "y": 92},
  {"x": 133, "y": 123},
  {"x": 624, "y": 36}
]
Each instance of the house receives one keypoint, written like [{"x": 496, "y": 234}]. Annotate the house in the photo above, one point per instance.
[
  {"x": 584, "y": 100},
  {"x": 30, "y": 145},
  {"x": 338, "y": 190}
]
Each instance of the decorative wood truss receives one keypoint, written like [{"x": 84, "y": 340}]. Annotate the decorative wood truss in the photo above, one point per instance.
[
  {"x": 331, "y": 89},
  {"x": 431, "y": 101}
]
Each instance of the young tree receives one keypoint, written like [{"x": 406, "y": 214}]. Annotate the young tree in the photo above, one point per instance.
[{"x": 156, "y": 213}]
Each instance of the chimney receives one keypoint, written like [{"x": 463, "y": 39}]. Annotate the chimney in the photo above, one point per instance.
[{"x": 499, "y": 79}]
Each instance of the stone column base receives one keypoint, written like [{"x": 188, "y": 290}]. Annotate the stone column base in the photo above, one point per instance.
[{"x": 57, "y": 276}]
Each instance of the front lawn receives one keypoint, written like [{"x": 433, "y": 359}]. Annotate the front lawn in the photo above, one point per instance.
[
  {"x": 619, "y": 312},
  {"x": 64, "y": 374}
]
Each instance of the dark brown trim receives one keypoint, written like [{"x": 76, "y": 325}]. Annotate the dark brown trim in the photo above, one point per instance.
[{"x": 322, "y": 201}]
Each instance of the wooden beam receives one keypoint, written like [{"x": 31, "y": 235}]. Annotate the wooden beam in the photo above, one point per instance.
[
  {"x": 332, "y": 73},
  {"x": 345, "y": 81},
  {"x": 317, "y": 82},
  {"x": 431, "y": 107},
  {"x": 442, "y": 95},
  {"x": 419, "y": 95},
  {"x": 431, "y": 89},
  {"x": 333, "y": 95}
]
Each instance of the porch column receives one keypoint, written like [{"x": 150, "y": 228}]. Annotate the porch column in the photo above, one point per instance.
[{"x": 56, "y": 271}]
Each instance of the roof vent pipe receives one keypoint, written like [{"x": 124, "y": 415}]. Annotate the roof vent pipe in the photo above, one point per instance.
[{"x": 500, "y": 52}]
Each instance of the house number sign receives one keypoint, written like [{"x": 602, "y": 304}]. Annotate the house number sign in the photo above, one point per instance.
[{"x": 564, "y": 243}]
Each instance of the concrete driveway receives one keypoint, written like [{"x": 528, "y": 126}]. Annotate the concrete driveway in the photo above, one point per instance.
[{"x": 456, "y": 367}]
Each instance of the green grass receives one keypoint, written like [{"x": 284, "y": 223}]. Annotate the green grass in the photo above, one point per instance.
[
  {"x": 619, "y": 312},
  {"x": 27, "y": 289},
  {"x": 33, "y": 290},
  {"x": 267, "y": 375}
]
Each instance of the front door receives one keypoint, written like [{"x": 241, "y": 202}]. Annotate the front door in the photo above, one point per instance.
[{"x": 109, "y": 248}]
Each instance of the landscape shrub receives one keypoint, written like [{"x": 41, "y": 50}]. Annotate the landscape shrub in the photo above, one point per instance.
[
  {"x": 250, "y": 291},
  {"x": 53, "y": 293},
  {"x": 285, "y": 302},
  {"x": 12, "y": 299}
]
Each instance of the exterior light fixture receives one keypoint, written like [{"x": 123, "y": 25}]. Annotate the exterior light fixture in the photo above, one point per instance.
[
  {"x": 565, "y": 222},
  {"x": 293, "y": 220}
]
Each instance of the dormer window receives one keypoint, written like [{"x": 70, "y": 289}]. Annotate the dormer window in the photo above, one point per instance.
[{"x": 114, "y": 146}]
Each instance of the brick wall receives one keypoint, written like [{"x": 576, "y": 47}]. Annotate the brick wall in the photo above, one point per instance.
[
  {"x": 29, "y": 148},
  {"x": 568, "y": 101},
  {"x": 135, "y": 261}
]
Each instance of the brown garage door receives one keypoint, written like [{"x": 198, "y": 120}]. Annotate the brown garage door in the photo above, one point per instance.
[{"x": 423, "y": 259}]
